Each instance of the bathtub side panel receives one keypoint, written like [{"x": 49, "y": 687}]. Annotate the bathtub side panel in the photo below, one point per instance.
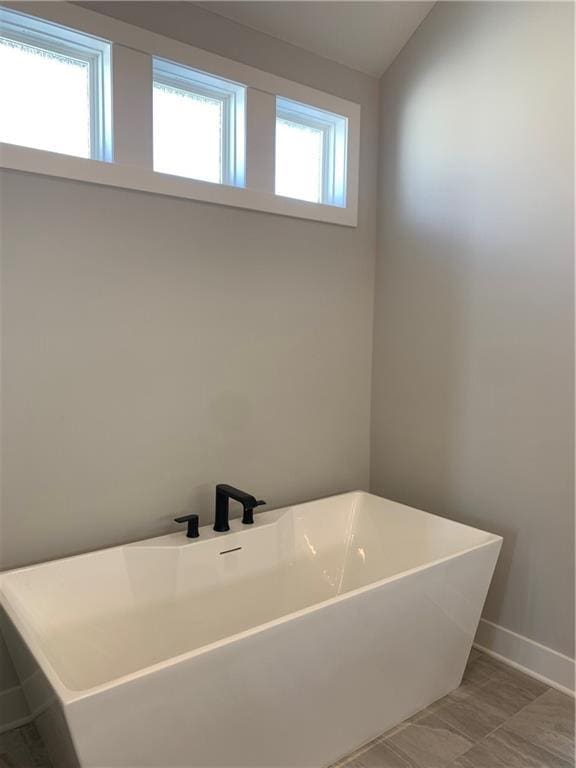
[
  {"x": 302, "y": 693},
  {"x": 43, "y": 702}
]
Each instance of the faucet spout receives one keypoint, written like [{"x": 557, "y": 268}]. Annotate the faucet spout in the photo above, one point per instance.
[{"x": 226, "y": 492}]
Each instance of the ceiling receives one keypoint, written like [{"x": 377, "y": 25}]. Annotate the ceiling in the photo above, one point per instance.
[{"x": 366, "y": 36}]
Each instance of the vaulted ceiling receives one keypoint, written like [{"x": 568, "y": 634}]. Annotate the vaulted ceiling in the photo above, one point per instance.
[{"x": 365, "y": 36}]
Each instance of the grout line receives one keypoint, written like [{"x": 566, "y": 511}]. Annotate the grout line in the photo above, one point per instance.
[
  {"x": 384, "y": 738},
  {"x": 424, "y": 713},
  {"x": 516, "y": 713},
  {"x": 400, "y": 754},
  {"x": 356, "y": 753},
  {"x": 449, "y": 725},
  {"x": 437, "y": 713},
  {"x": 503, "y": 724}
]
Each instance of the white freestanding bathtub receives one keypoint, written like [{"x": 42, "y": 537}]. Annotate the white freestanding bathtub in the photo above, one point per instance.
[{"x": 286, "y": 643}]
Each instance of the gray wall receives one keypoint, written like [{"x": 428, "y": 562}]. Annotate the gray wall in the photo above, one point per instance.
[
  {"x": 473, "y": 356},
  {"x": 153, "y": 347}
]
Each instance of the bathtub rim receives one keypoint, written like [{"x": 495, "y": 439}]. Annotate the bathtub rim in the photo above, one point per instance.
[{"x": 70, "y": 696}]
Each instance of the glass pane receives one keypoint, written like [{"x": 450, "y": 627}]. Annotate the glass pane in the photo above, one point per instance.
[
  {"x": 299, "y": 151},
  {"x": 44, "y": 99},
  {"x": 187, "y": 133}
]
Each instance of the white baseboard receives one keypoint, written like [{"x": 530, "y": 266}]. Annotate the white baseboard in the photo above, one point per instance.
[
  {"x": 14, "y": 711},
  {"x": 536, "y": 660}
]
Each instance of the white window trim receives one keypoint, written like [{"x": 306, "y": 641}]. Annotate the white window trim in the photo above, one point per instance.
[
  {"x": 95, "y": 52},
  {"x": 233, "y": 97},
  {"x": 138, "y": 46},
  {"x": 335, "y": 155}
]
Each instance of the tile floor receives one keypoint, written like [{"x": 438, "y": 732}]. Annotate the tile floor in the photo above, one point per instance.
[
  {"x": 498, "y": 718},
  {"x": 23, "y": 748}
]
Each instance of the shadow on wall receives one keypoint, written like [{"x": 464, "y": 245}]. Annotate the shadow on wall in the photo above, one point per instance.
[{"x": 473, "y": 358}]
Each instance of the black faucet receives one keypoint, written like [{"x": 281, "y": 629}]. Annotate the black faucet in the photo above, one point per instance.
[{"x": 226, "y": 492}]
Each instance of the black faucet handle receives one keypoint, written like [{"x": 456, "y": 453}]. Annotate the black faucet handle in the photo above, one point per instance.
[
  {"x": 192, "y": 520},
  {"x": 248, "y": 516}
]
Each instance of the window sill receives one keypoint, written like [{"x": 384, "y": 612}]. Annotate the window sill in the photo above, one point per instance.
[{"x": 14, "y": 157}]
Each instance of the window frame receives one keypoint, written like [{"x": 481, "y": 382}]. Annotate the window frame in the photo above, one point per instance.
[
  {"x": 334, "y": 145},
  {"x": 96, "y": 52},
  {"x": 130, "y": 164},
  {"x": 232, "y": 96}
]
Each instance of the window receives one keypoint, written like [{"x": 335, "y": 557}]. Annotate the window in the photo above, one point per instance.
[
  {"x": 168, "y": 118},
  {"x": 54, "y": 88},
  {"x": 310, "y": 153},
  {"x": 198, "y": 125}
]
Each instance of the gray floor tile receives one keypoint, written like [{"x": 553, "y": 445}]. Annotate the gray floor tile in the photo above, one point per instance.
[
  {"x": 23, "y": 748},
  {"x": 379, "y": 755},
  {"x": 11, "y": 740},
  {"x": 473, "y": 718},
  {"x": 506, "y": 750},
  {"x": 36, "y": 746},
  {"x": 547, "y": 722},
  {"x": 30, "y": 734},
  {"x": 500, "y": 671},
  {"x": 19, "y": 757},
  {"x": 428, "y": 743},
  {"x": 431, "y": 710},
  {"x": 504, "y": 695},
  {"x": 474, "y": 654},
  {"x": 475, "y": 676},
  {"x": 468, "y": 687},
  {"x": 356, "y": 753},
  {"x": 392, "y": 731},
  {"x": 479, "y": 668}
]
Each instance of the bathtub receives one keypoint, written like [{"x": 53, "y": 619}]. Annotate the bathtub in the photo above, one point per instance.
[{"x": 287, "y": 643}]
